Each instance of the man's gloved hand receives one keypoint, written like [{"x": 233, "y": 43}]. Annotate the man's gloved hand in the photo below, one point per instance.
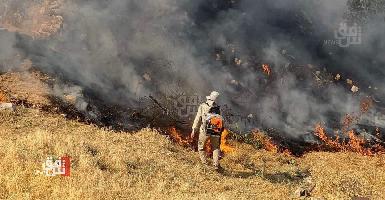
[{"x": 193, "y": 133}]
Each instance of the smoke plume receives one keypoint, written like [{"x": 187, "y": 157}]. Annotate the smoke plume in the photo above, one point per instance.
[{"x": 122, "y": 50}]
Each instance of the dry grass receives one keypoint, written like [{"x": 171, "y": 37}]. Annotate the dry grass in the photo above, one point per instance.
[
  {"x": 26, "y": 86},
  {"x": 146, "y": 165},
  {"x": 343, "y": 175}
]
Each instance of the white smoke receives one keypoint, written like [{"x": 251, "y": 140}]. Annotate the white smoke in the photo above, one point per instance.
[{"x": 122, "y": 50}]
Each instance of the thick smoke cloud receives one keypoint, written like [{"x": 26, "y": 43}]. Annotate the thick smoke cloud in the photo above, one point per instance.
[
  {"x": 10, "y": 58},
  {"x": 122, "y": 50}
]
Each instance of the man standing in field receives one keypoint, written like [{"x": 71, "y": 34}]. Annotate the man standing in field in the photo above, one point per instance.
[{"x": 211, "y": 126}]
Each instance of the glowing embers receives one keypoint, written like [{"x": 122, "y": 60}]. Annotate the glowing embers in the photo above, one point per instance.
[{"x": 266, "y": 69}]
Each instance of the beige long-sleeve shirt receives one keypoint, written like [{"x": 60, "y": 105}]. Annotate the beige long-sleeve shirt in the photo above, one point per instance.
[{"x": 203, "y": 110}]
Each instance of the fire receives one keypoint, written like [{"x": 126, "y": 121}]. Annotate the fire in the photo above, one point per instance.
[
  {"x": 207, "y": 147},
  {"x": 266, "y": 142},
  {"x": 269, "y": 146},
  {"x": 178, "y": 138},
  {"x": 321, "y": 133},
  {"x": 266, "y": 69},
  {"x": 355, "y": 144},
  {"x": 226, "y": 148}
]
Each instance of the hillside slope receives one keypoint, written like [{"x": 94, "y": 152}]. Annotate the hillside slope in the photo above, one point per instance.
[{"x": 146, "y": 165}]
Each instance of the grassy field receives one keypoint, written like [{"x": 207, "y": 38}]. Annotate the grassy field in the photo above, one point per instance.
[{"x": 146, "y": 165}]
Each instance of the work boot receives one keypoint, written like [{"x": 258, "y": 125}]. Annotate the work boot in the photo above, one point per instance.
[{"x": 218, "y": 168}]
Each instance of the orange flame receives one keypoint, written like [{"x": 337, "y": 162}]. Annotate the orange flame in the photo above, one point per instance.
[
  {"x": 267, "y": 143},
  {"x": 266, "y": 69},
  {"x": 321, "y": 133},
  {"x": 226, "y": 148},
  {"x": 177, "y": 137},
  {"x": 207, "y": 147},
  {"x": 355, "y": 144}
]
